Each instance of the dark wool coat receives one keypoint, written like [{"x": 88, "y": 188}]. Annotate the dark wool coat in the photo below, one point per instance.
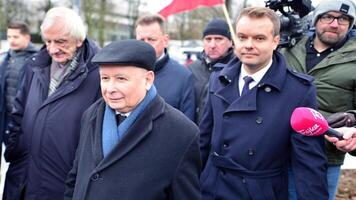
[
  {"x": 157, "y": 159},
  {"x": 45, "y": 131},
  {"x": 201, "y": 72},
  {"x": 175, "y": 85},
  {"x": 247, "y": 142}
]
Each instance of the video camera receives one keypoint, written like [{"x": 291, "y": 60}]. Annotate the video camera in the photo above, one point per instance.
[{"x": 293, "y": 26}]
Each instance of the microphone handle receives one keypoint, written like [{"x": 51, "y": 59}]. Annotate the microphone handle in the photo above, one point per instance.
[{"x": 333, "y": 133}]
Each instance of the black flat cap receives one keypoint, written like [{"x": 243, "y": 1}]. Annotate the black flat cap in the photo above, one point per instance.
[{"x": 127, "y": 52}]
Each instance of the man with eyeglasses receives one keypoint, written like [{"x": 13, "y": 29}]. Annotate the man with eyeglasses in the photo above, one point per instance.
[{"x": 329, "y": 55}]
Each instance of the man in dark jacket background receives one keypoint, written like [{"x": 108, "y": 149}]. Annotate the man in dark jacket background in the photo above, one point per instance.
[
  {"x": 132, "y": 144},
  {"x": 12, "y": 70},
  {"x": 329, "y": 55},
  {"x": 217, "y": 49},
  {"x": 44, "y": 128},
  {"x": 173, "y": 81}
]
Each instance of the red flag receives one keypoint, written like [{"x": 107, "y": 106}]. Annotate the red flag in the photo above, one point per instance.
[{"x": 177, "y": 6}]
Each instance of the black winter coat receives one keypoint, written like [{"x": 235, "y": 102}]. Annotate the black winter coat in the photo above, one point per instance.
[
  {"x": 157, "y": 159},
  {"x": 45, "y": 131}
]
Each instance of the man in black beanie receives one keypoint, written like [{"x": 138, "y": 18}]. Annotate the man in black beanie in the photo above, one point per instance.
[
  {"x": 218, "y": 48},
  {"x": 133, "y": 145}
]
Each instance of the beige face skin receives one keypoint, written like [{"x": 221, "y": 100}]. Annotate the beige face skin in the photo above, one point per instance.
[
  {"x": 60, "y": 45},
  {"x": 16, "y": 40},
  {"x": 255, "y": 42},
  {"x": 153, "y": 35},
  {"x": 216, "y": 46},
  {"x": 328, "y": 35},
  {"x": 124, "y": 87}
]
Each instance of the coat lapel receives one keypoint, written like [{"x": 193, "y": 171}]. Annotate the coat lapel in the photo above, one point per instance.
[
  {"x": 273, "y": 80},
  {"x": 228, "y": 78},
  {"x": 96, "y": 132},
  {"x": 139, "y": 130}
]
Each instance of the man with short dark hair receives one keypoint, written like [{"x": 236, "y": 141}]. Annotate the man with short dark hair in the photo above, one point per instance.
[
  {"x": 329, "y": 55},
  {"x": 133, "y": 144},
  {"x": 12, "y": 70},
  {"x": 173, "y": 81},
  {"x": 218, "y": 48},
  {"x": 246, "y": 139}
]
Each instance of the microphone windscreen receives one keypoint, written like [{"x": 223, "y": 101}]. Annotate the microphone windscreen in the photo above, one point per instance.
[{"x": 309, "y": 122}]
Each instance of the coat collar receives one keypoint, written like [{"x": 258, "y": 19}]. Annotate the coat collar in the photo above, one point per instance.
[
  {"x": 139, "y": 130},
  {"x": 41, "y": 66},
  {"x": 220, "y": 61},
  {"x": 343, "y": 55},
  {"x": 161, "y": 62},
  {"x": 228, "y": 79},
  {"x": 43, "y": 59}
]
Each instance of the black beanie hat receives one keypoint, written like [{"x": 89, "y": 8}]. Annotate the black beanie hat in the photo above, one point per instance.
[
  {"x": 217, "y": 27},
  {"x": 127, "y": 52}
]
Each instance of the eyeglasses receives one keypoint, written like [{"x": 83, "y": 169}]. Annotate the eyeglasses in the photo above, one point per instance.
[{"x": 328, "y": 19}]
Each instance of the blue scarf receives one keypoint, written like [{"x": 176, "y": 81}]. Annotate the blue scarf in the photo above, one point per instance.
[{"x": 111, "y": 133}]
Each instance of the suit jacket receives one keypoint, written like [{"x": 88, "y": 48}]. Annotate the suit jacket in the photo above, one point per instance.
[
  {"x": 247, "y": 142},
  {"x": 157, "y": 158}
]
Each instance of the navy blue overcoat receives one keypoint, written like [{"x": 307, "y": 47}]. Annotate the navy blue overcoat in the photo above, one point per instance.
[
  {"x": 247, "y": 142},
  {"x": 45, "y": 131}
]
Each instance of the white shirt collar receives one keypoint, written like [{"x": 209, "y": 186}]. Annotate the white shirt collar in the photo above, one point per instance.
[
  {"x": 124, "y": 114},
  {"x": 163, "y": 54},
  {"x": 256, "y": 76}
]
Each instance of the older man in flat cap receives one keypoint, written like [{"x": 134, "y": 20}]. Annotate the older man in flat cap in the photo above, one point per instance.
[{"x": 133, "y": 145}]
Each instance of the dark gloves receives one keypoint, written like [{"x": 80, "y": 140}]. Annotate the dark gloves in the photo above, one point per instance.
[{"x": 341, "y": 119}]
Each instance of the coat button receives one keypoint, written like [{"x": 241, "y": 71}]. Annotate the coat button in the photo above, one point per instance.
[
  {"x": 268, "y": 89},
  {"x": 222, "y": 172},
  {"x": 259, "y": 120},
  {"x": 243, "y": 180},
  {"x": 251, "y": 152},
  {"x": 95, "y": 177},
  {"x": 226, "y": 116},
  {"x": 225, "y": 145}
]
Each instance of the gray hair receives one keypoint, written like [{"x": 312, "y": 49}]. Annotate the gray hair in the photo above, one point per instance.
[{"x": 73, "y": 24}]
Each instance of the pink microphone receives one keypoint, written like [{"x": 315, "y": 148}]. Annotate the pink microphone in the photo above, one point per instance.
[{"x": 310, "y": 122}]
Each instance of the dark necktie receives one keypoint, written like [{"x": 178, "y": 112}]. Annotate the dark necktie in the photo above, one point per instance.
[
  {"x": 248, "y": 80},
  {"x": 120, "y": 118}
]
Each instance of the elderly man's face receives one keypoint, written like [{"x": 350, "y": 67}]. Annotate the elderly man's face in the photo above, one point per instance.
[
  {"x": 216, "y": 46},
  {"x": 124, "y": 87},
  {"x": 255, "y": 42},
  {"x": 60, "y": 46}
]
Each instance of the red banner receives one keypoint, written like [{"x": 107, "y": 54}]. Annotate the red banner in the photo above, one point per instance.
[{"x": 178, "y": 6}]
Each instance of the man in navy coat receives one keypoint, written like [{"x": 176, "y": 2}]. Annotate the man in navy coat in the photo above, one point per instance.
[
  {"x": 133, "y": 145},
  {"x": 59, "y": 84},
  {"x": 174, "y": 83},
  {"x": 246, "y": 139}
]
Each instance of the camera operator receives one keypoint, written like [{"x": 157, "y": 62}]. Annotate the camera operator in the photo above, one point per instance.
[{"x": 329, "y": 55}]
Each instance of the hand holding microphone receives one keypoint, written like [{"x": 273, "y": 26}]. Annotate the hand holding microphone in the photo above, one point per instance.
[{"x": 310, "y": 122}]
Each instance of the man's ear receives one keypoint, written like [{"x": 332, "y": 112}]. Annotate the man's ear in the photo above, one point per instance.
[
  {"x": 150, "y": 77},
  {"x": 276, "y": 41},
  {"x": 166, "y": 40}
]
